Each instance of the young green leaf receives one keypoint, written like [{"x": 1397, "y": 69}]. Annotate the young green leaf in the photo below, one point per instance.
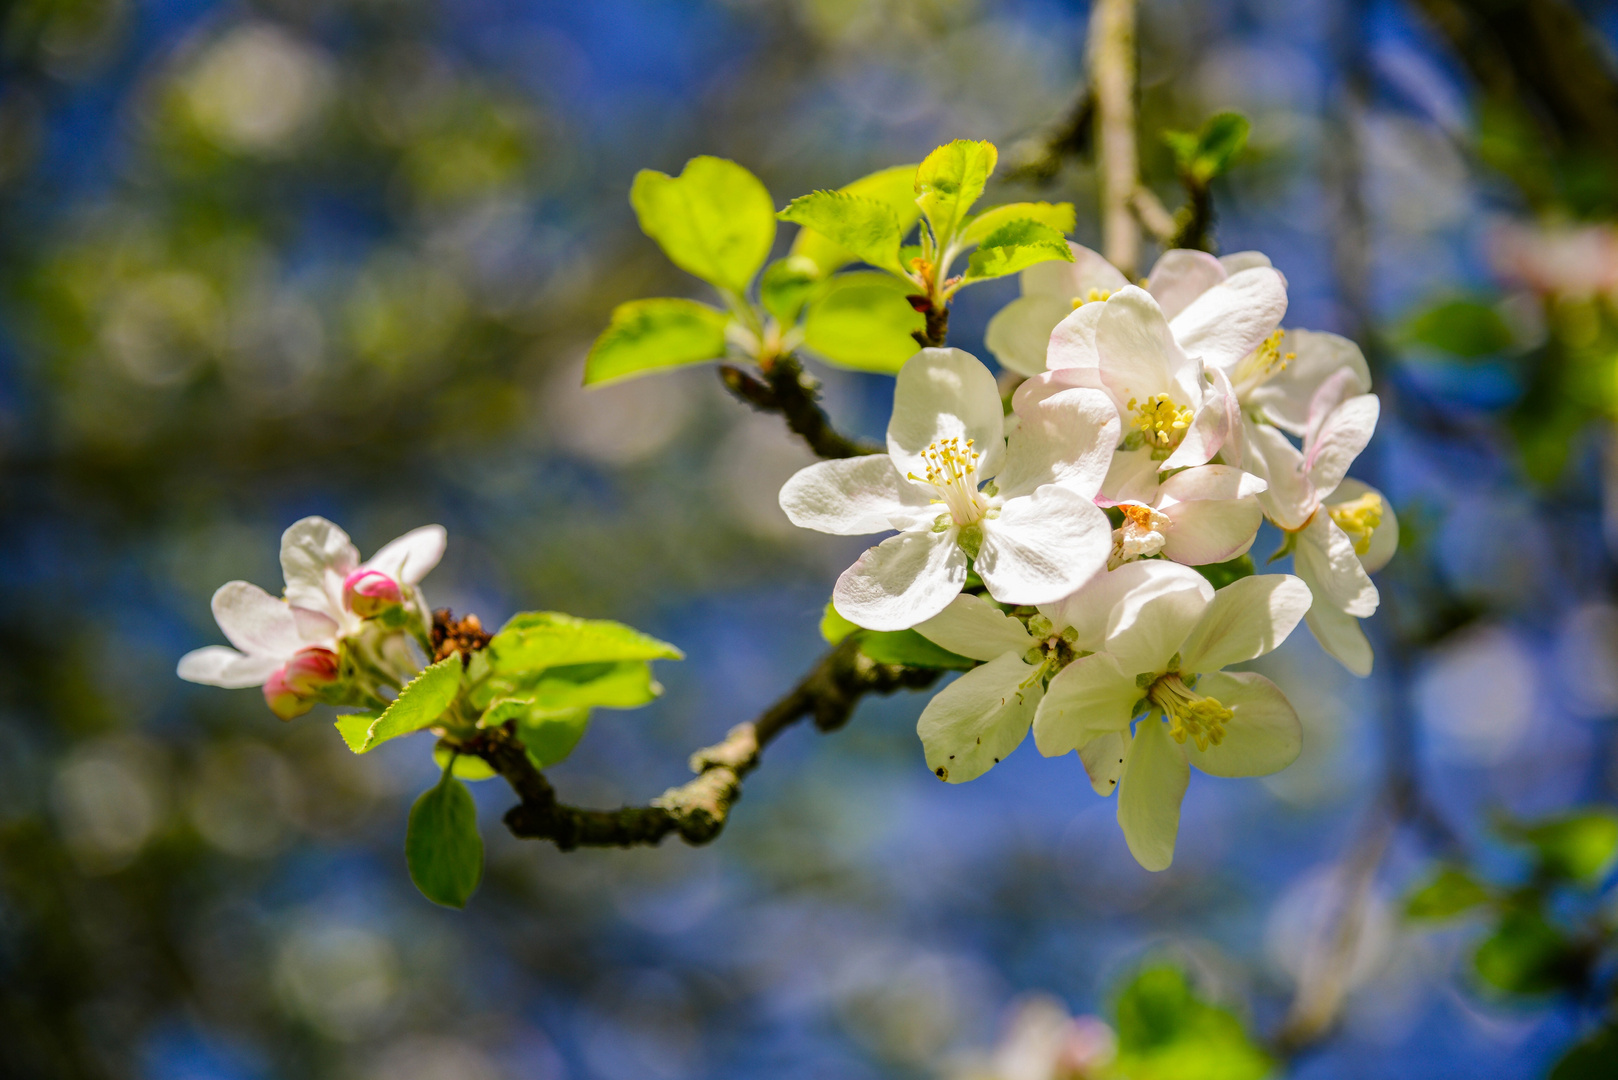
[
  {"x": 442, "y": 845},
  {"x": 864, "y": 226},
  {"x": 1465, "y": 328},
  {"x": 895, "y": 188},
  {"x": 911, "y": 649},
  {"x": 863, "y": 321},
  {"x": 551, "y": 734},
  {"x": 950, "y": 180},
  {"x": 548, "y": 639},
  {"x": 1209, "y": 152},
  {"x": 1448, "y": 894},
  {"x": 646, "y": 335},
  {"x": 1059, "y": 216},
  {"x": 715, "y": 220},
  {"x": 464, "y": 766},
  {"x": 1016, "y": 246},
  {"x": 421, "y": 702},
  {"x": 1581, "y": 847},
  {"x": 833, "y": 627},
  {"x": 1165, "y": 1030},
  {"x": 623, "y": 684},
  {"x": 787, "y": 285},
  {"x": 1525, "y": 955}
]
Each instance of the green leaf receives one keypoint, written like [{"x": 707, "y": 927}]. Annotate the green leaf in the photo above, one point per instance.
[
  {"x": 1167, "y": 1032},
  {"x": 1221, "y": 574},
  {"x": 863, "y": 322},
  {"x": 910, "y": 648},
  {"x": 715, "y": 220},
  {"x": 1579, "y": 847},
  {"x": 551, "y": 734},
  {"x": 626, "y": 684},
  {"x": 1459, "y": 327},
  {"x": 548, "y": 639},
  {"x": 1596, "y": 1058},
  {"x": 1525, "y": 955},
  {"x": 1448, "y": 894},
  {"x": 645, "y": 335},
  {"x": 787, "y": 285},
  {"x": 421, "y": 702},
  {"x": 864, "y": 226},
  {"x": 895, "y": 188},
  {"x": 442, "y": 845},
  {"x": 950, "y": 180},
  {"x": 463, "y": 766},
  {"x": 1209, "y": 152},
  {"x": 1059, "y": 216},
  {"x": 1016, "y": 246},
  {"x": 833, "y": 627}
]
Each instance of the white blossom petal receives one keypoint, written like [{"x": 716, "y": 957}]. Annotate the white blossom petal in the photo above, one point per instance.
[
  {"x": 1237, "y": 261},
  {"x": 977, "y": 720},
  {"x": 1132, "y": 477},
  {"x": 854, "y": 496},
  {"x": 218, "y": 666},
  {"x": 256, "y": 622},
  {"x": 905, "y": 580},
  {"x": 1325, "y": 559},
  {"x": 1089, "y": 610},
  {"x": 941, "y": 394},
  {"x": 1065, "y": 439},
  {"x": 1341, "y": 637},
  {"x": 1385, "y": 538},
  {"x": 1228, "y": 321},
  {"x": 1339, "y": 441},
  {"x": 1213, "y": 513},
  {"x": 1088, "y": 698},
  {"x": 316, "y": 556},
  {"x": 1263, "y": 736},
  {"x": 1043, "y": 546},
  {"x": 1246, "y": 619},
  {"x": 975, "y": 628},
  {"x": 1289, "y": 499},
  {"x": 1069, "y": 280},
  {"x": 1179, "y": 276},
  {"x": 1103, "y": 758},
  {"x": 1139, "y": 357},
  {"x": 1019, "y": 335},
  {"x": 1154, "y": 783},
  {"x": 1284, "y": 398},
  {"x": 1144, "y": 633},
  {"x": 409, "y": 558},
  {"x": 1072, "y": 341},
  {"x": 1206, "y": 436}
]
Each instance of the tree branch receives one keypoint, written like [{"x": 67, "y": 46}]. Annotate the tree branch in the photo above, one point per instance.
[
  {"x": 786, "y": 389},
  {"x": 698, "y": 809},
  {"x": 1112, "y": 70}
]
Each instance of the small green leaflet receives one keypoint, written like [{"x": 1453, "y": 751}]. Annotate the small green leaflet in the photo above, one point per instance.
[
  {"x": 950, "y": 180},
  {"x": 1451, "y": 892},
  {"x": 442, "y": 845},
  {"x": 466, "y": 766},
  {"x": 421, "y": 702},
  {"x": 864, "y": 226},
  {"x": 548, "y": 639},
  {"x": 894, "y": 188},
  {"x": 892, "y": 646},
  {"x": 1166, "y": 1029},
  {"x": 715, "y": 220},
  {"x": 787, "y": 285},
  {"x": 551, "y": 734},
  {"x": 1016, "y": 246},
  {"x": 646, "y": 335},
  {"x": 1059, "y": 216},
  {"x": 1581, "y": 846},
  {"x": 1209, "y": 152},
  {"x": 863, "y": 322}
]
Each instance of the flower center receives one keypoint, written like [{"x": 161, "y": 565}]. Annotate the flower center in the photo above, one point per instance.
[
  {"x": 1263, "y": 363},
  {"x": 1141, "y": 534},
  {"x": 952, "y": 471},
  {"x": 1190, "y": 715},
  {"x": 1359, "y": 519},
  {"x": 1161, "y": 422},
  {"x": 1094, "y": 296}
]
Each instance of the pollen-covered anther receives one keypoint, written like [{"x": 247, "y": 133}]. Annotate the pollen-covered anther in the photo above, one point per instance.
[
  {"x": 1144, "y": 532},
  {"x": 1190, "y": 714},
  {"x": 1094, "y": 296},
  {"x": 1359, "y": 519},
  {"x": 952, "y": 467},
  {"x": 1264, "y": 362},
  {"x": 1161, "y": 421}
]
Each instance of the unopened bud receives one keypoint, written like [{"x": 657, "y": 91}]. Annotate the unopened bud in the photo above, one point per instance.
[
  {"x": 291, "y": 690},
  {"x": 370, "y": 592}
]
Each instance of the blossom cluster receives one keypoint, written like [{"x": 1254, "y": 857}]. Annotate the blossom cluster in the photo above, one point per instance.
[{"x": 1053, "y": 538}]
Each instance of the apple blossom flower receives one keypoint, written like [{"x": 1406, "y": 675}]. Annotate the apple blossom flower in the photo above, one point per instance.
[
  {"x": 267, "y": 631},
  {"x": 1157, "y": 668},
  {"x": 292, "y": 689},
  {"x": 1339, "y": 531},
  {"x": 368, "y": 593},
  {"x": 1201, "y": 515},
  {"x": 1021, "y": 511},
  {"x": 320, "y": 563}
]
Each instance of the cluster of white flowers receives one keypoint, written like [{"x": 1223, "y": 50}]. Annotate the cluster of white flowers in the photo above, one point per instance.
[
  {"x": 344, "y": 630},
  {"x": 1054, "y": 543}
]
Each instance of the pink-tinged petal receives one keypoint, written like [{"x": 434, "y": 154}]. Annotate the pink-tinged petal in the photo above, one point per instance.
[
  {"x": 1385, "y": 538},
  {"x": 1237, "y": 261},
  {"x": 1229, "y": 321},
  {"x": 1284, "y": 398},
  {"x": 1043, "y": 546},
  {"x": 1144, "y": 634},
  {"x": 1207, "y": 531},
  {"x": 1263, "y": 737},
  {"x": 1103, "y": 758},
  {"x": 1325, "y": 559},
  {"x": 1132, "y": 477},
  {"x": 1139, "y": 357},
  {"x": 1335, "y": 389},
  {"x": 1341, "y": 637},
  {"x": 369, "y": 593},
  {"x": 314, "y": 627},
  {"x": 1019, "y": 335},
  {"x": 1234, "y": 448},
  {"x": 1051, "y": 383},
  {"x": 218, "y": 666},
  {"x": 942, "y": 394},
  {"x": 1209, "y": 482},
  {"x": 1072, "y": 341},
  {"x": 905, "y": 580},
  {"x": 254, "y": 621},
  {"x": 1206, "y": 436},
  {"x": 976, "y": 721},
  {"x": 1246, "y": 619},
  {"x": 409, "y": 558},
  {"x": 1289, "y": 499},
  {"x": 971, "y": 626},
  {"x": 1339, "y": 440},
  {"x": 1180, "y": 276},
  {"x": 315, "y": 558},
  {"x": 1088, "y": 610},
  {"x": 853, "y": 496},
  {"x": 1155, "y": 777},
  {"x": 1088, "y": 698},
  {"x": 1066, "y": 439}
]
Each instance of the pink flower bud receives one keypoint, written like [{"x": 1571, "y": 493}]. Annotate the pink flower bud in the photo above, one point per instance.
[
  {"x": 370, "y": 592},
  {"x": 291, "y": 690}
]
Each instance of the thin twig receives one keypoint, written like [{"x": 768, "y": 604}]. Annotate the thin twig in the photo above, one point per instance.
[
  {"x": 1112, "y": 71},
  {"x": 786, "y": 389},
  {"x": 697, "y": 810},
  {"x": 1154, "y": 215}
]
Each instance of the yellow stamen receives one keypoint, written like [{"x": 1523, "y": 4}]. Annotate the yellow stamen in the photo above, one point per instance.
[
  {"x": 1190, "y": 714},
  {"x": 1264, "y": 362},
  {"x": 1162, "y": 421},
  {"x": 1359, "y": 519},
  {"x": 952, "y": 472},
  {"x": 1094, "y": 296}
]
